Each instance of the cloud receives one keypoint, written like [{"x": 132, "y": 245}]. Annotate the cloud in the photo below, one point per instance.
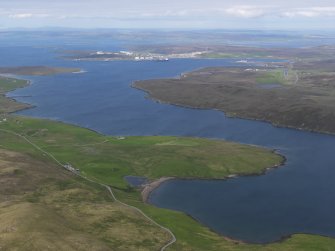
[
  {"x": 21, "y": 15},
  {"x": 167, "y": 12},
  {"x": 245, "y": 11},
  {"x": 235, "y": 11},
  {"x": 182, "y": 13},
  {"x": 27, "y": 15},
  {"x": 310, "y": 12}
]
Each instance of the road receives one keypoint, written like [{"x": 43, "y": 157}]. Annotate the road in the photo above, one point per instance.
[
  {"x": 296, "y": 78},
  {"x": 109, "y": 189}
]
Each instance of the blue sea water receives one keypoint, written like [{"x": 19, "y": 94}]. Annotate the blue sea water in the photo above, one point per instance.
[{"x": 296, "y": 198}]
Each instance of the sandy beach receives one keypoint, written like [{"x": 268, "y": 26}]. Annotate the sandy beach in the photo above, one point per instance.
[{"x": 149, "y": 187}]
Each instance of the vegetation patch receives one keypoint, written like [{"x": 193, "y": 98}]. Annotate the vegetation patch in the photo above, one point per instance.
[{"x": 49, "y": 209}]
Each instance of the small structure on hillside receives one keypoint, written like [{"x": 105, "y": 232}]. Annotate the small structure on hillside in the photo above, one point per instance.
[{"x": 69, "y": 167}]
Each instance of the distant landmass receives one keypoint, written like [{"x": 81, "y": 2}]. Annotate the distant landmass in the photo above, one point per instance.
[
  {"x": 297, "y": 94},
  {"x": 37, "y": 70}
]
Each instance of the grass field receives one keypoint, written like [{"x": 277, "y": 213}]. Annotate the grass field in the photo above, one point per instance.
[
  {"x": 271, "y": 77},
  {"x": 109, "y": 159}
]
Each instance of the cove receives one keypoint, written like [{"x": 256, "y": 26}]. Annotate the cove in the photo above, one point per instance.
[{"x": 296, "y": 198}]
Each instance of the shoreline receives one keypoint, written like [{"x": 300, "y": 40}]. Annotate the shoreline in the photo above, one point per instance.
[
  {"x": 237, "y": 241},
  {"x": 150, "y": 187},
  {"x": 25, "y": 106},
  {"x": 159, "y": 101}
]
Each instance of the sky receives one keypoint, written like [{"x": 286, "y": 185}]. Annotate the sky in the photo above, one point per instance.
[{"x": 169, "y": 14}]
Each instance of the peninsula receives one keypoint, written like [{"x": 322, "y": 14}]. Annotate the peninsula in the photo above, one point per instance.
[
  {"x": 298, "y": 95},
  {"x": 7, "y": 84},
  {"x": 37, "y": 70}
]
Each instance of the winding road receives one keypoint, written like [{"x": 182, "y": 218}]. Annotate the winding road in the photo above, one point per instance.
[{"x": 173, "y": 237}]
